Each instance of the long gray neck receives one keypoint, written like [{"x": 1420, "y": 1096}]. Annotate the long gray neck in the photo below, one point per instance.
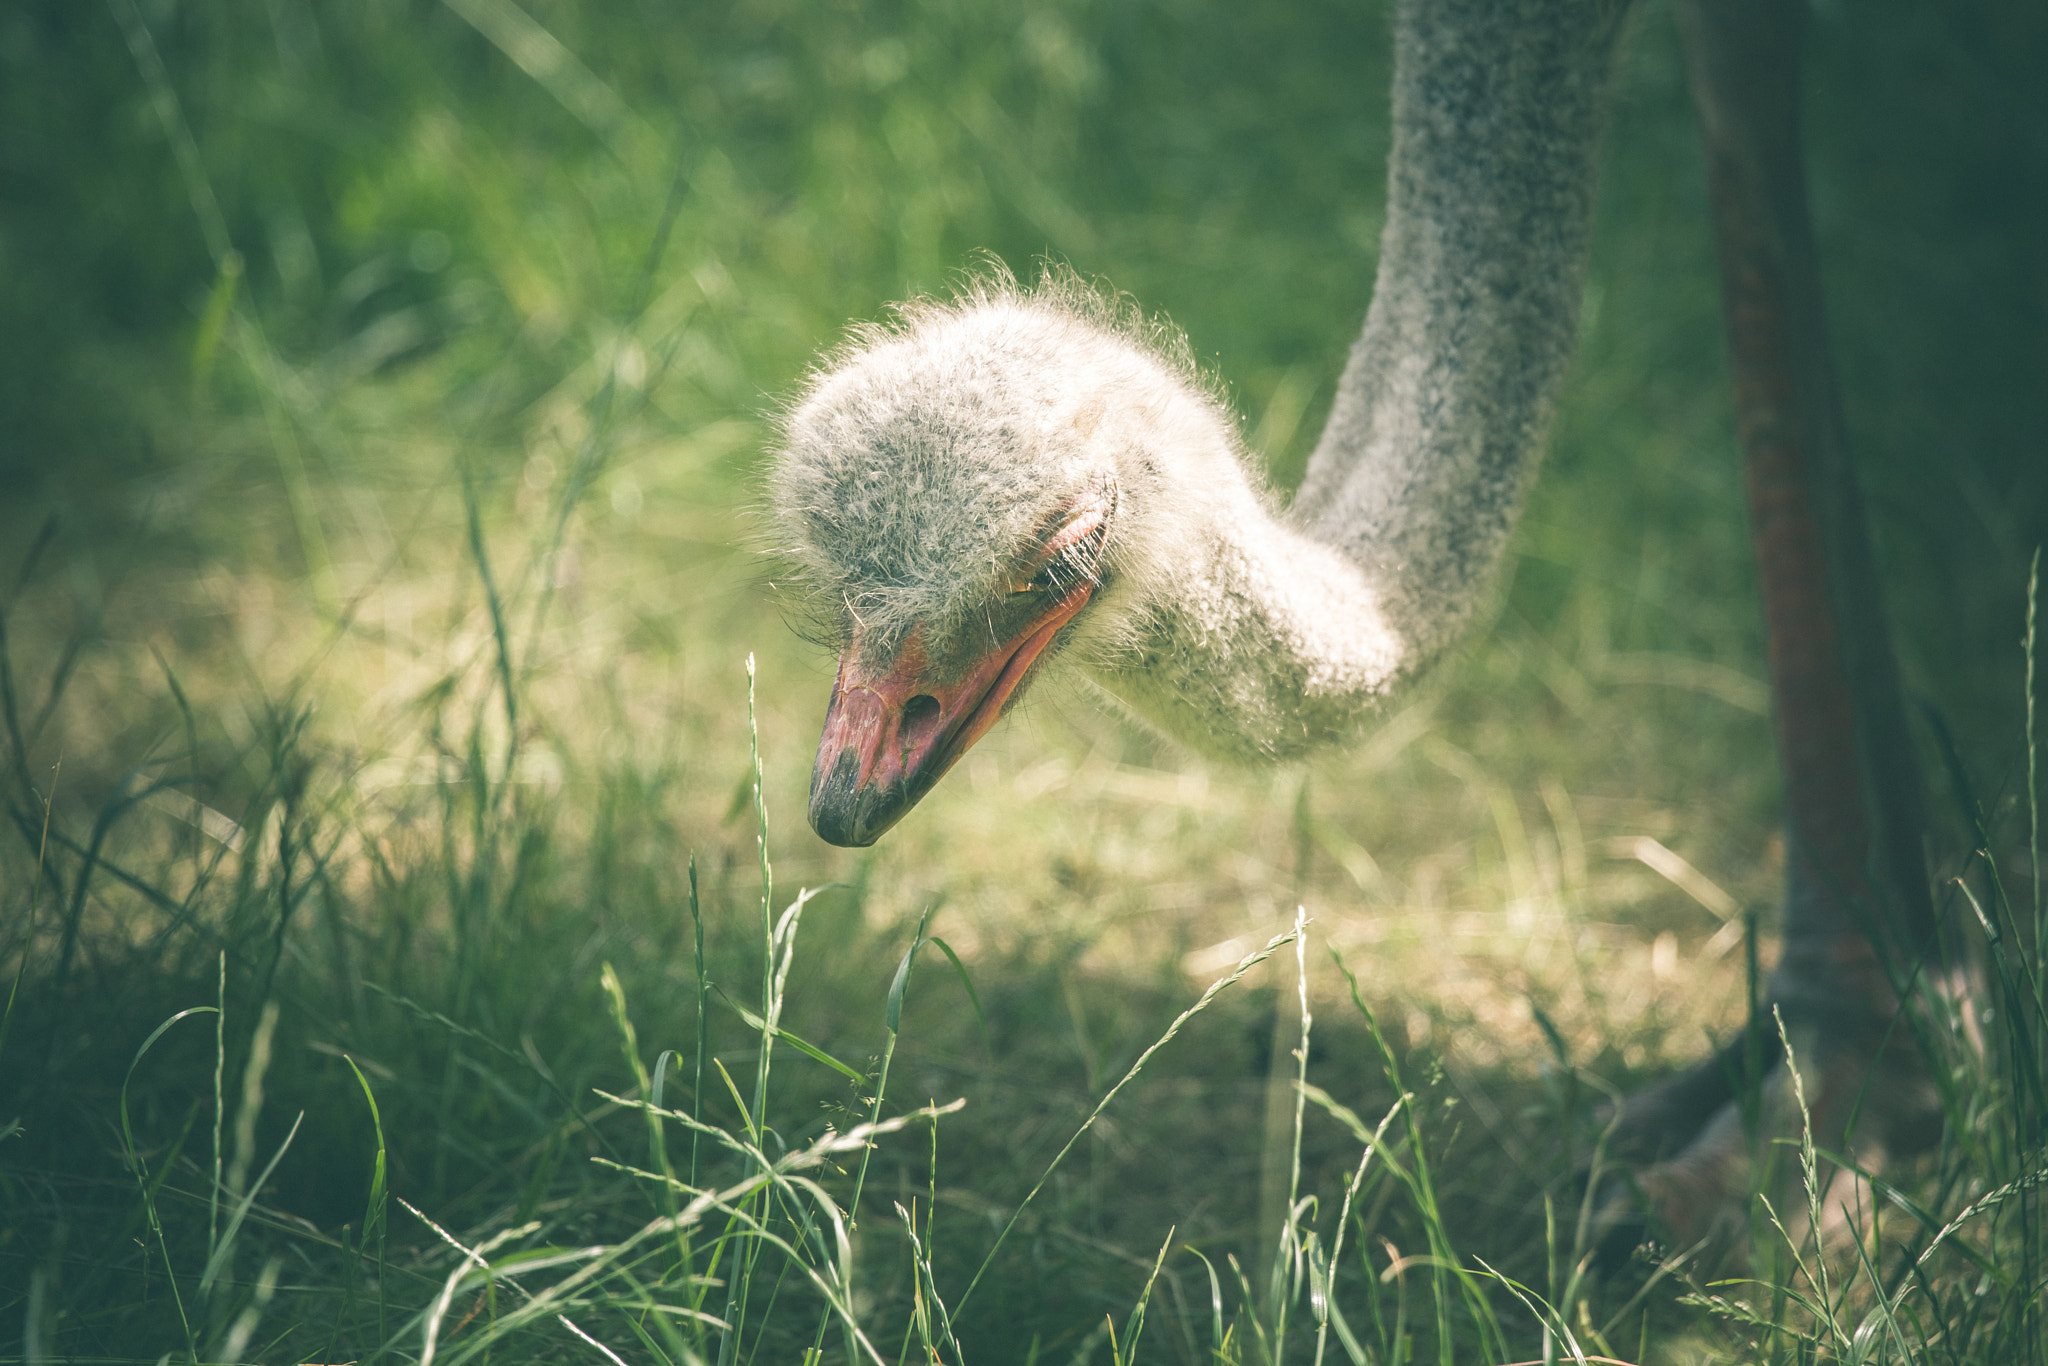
[
  {"x": 1440, "y": 414},
  {"x": 1251, "y": 641}
]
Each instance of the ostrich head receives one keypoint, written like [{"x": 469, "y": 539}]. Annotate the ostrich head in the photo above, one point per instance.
[{"x": 980, "y": 487}]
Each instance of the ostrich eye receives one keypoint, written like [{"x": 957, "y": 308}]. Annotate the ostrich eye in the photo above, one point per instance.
[
  {"x": 1072, "y": 548},
  {"x": 1041, "y": 582}
]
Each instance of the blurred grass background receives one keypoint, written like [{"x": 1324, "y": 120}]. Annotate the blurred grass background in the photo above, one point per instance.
[{"x": 339, "y": 344}]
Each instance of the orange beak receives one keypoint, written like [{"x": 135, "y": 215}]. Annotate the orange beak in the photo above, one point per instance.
[{"x": 897, "y": 723}]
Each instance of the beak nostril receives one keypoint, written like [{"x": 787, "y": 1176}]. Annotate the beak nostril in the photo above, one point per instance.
[{"x": 920, "y": 714}]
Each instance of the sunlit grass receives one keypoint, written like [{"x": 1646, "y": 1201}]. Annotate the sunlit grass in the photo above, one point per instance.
[{"x": 384, "y": 674}]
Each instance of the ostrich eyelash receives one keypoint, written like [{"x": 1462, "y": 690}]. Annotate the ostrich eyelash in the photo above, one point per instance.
[{"x": 1078, "y": 560}]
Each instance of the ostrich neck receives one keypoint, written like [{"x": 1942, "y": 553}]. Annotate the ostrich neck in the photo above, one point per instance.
[
  {"x": 1439, "y": 417},
  {"x": 1258, "y": 644},
  {"x": 1263, "y": 636}
]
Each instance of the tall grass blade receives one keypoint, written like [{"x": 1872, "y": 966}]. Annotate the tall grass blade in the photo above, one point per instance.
[
  {"x": 164, "y": 103},
  {"x": 1244, "y": 965},
  {"x": 1421, "y": 1186},
  {"x": 556, "y": 70},
  {"x": 2033, "y": 760},
  {"x": 629, "y": 1047},
  {"x": 244, "y": 1326},
  {"x": 142, "y": 1179},
  {"x": 892, "y": 1018},
  {"x": 703, "y": 980},
  {"x": 933, "y": 1307},
  {"x": 501, "y": 636},
  {"x": 375, "y": 1213},
  {"x": 1216, "y": 1330},
  {"x": 1371, "y": 1139},
  {"x": 1287, "y": 1259},
  {"x": 1135, "y": 1323},
  {"x": 743, "y": 1265},
  {"x": 35, "y": 896},
  {"x": 218, "y": 1261},
  {"x": 973, "y": 997},
  {"x": 2033, "y": 1224},
  {"x": 213, "y": 321},
  {"x": 220, "y": 1064}
]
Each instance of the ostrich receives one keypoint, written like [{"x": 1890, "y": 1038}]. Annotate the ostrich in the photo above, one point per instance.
[{"x": 1020, "y": 480}]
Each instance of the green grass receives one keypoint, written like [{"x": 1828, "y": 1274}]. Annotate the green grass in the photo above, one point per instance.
[{"x": 391, "y": 382}]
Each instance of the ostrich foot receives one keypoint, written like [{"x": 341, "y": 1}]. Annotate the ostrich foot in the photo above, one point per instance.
[{"x": 1710, "y": 1146}]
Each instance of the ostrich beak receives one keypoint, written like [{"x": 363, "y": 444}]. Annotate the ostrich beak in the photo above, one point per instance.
[{"x": 898, "y": 722}]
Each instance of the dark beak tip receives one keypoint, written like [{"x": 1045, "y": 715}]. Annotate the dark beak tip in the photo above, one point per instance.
[
  {"x": 840, "y": 824},
  {"x": 842, "y": 811},
  {"x": 845, "y": 828},
  {"x": 840, "y": 838}
]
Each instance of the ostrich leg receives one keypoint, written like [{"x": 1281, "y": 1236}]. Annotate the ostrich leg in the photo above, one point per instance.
[
  {"x": 1856, "y": 895},
  {"x": 1859, "y": 920}
]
